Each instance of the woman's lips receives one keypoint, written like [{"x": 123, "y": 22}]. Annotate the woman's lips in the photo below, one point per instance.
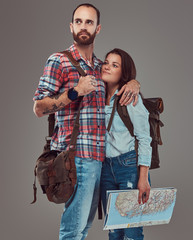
[{"x": 105, "y": 72}]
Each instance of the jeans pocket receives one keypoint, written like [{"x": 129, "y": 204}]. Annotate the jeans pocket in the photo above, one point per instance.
[{"x": 128, "y": 162}]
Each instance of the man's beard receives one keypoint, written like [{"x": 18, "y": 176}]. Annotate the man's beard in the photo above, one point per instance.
[{"x": 82, "y": 40}]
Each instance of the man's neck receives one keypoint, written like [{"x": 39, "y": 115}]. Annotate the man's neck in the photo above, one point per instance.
[{"x": 86, "y": 51}]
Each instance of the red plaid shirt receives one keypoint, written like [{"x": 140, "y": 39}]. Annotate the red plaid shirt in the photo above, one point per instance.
[{"x": 60, "y": 75}]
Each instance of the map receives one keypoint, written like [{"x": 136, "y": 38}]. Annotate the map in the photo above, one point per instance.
[{"x": 123, "y": 209}]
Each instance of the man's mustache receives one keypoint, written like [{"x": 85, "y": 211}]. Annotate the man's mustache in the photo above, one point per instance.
[{"x": 83, "y": 32}]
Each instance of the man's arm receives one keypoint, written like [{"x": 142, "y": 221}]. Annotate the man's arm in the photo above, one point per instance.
[
  {"x": 55, "y": 103},
  {"x": 50, "y": 104},
  {"x": 129, "y": 92}
]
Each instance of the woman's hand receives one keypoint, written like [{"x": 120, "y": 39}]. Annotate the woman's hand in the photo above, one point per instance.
[
  {"x": 143, "y": 185},
  {"x": 129, "y": 93}
]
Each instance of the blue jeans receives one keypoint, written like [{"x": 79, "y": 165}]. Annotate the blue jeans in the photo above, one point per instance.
[
  {"x": 79, "y": 211},
  {"x": 119, "y": 173}
]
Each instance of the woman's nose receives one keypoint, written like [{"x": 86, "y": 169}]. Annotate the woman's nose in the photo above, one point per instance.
[{"x": 106, "y": 66}]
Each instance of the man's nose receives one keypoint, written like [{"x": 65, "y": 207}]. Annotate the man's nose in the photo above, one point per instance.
[{"x": 83, "y": 26}]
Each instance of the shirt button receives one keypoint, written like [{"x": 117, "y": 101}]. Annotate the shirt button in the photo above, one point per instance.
[
  {"x": 97, "y": 142},
  {"x": 98, "y": 126},
  {"x": 98, "y": 109}
]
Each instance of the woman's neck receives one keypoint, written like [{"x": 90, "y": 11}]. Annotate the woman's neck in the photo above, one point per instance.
[{"x": 110, "y": 92}]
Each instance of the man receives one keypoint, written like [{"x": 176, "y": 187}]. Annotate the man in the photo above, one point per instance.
[{"x": 58, "y": 92}]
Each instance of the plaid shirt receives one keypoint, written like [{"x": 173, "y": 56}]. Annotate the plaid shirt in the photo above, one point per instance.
[{"x": 60, "y": 75}]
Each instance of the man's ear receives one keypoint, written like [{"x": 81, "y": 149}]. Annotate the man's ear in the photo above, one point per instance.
[
  {"x": 98, "y": 29},
  {"x": 71, "y": 27}
]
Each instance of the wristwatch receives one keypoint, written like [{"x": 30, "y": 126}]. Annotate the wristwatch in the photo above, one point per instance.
[{"x": 72, "y": 94}]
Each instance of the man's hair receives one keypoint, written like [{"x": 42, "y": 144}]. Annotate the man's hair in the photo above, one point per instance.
[
  {"x": 128, "y": 69},
  {"x": 87, "y": 5}
]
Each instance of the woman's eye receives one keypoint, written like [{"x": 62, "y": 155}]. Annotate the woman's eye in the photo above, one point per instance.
[{"x": 114, "y": 65}]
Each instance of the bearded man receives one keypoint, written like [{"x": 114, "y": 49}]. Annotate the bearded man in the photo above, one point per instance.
[{"x": 58, "y": 92}]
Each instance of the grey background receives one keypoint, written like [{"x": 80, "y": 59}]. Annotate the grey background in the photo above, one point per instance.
[{"x": 158, "y": 35}]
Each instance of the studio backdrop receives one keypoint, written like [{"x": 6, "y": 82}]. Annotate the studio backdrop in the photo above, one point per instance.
[{"x": 158, "y": 35}]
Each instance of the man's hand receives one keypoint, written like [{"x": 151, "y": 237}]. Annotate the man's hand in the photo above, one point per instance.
[
  {"x": 86, "y": 85},
  {"x": 55, "y": 103},
  {"x": 129, "y": 93}
]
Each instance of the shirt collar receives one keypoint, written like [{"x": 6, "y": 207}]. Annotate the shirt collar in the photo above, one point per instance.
[
  {"x": 113, "y": 97},
  {"x": 77, "y": 56}
]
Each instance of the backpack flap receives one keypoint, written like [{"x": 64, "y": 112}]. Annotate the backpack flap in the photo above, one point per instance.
[{"x": 155, "y": 106}]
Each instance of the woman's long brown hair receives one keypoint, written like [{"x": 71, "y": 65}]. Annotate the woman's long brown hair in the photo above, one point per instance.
[{"x": 127, "y": 66}]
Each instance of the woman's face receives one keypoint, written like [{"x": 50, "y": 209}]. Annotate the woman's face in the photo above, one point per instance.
[{"x": 111, "y": 69}]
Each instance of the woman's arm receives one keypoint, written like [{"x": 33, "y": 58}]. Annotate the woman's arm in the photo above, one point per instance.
[
  {"x": 143, "y": 184},
  {"x": 140, "y": 119}
]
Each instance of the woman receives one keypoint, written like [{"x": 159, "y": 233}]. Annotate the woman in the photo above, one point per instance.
[{"x": 120, "y": 170}]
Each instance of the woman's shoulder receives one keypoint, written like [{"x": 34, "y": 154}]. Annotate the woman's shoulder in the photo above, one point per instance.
[{"x": 138, "y": 107}]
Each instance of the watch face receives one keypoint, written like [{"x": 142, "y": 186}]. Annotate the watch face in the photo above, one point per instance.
[{"x": 72, "y": 94}]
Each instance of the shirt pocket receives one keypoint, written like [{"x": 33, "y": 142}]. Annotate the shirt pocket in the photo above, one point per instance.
[{"x": 73, "y": 78}]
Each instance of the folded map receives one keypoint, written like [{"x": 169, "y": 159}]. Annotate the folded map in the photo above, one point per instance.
[{"x": 123, "y": 209}]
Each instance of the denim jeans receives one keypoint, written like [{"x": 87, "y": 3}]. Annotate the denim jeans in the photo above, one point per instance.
[
  {"x": 119, "y": 173},
  {"x": 79, "y": 211}
]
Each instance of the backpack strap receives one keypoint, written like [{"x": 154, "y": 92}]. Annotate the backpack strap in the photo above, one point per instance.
[
  {"x": 75, "y": 63},
  {"x": 51, "y": 117},
  {"x": 51, "y": 125},
  {"x": 124, "y": 115},
  {"x": 112, "y": 114},
  {"x": 75, "y": 133}
]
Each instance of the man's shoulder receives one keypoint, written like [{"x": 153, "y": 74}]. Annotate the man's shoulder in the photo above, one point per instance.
[
  {"x": 97, "y": 59},
  {"x": 100, "y": 61},
  {"x": 59, "y": 58}
]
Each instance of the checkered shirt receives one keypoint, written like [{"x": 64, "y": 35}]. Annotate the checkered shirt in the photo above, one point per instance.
[{"x": 60, "y": 75}]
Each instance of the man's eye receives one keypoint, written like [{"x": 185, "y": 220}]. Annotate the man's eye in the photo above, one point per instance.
[
  {"x": 78, "y": 21},
  {"x": 90, "y": 22}
]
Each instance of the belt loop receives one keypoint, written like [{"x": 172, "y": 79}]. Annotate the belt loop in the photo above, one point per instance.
[{"x": 118, "y": 159}]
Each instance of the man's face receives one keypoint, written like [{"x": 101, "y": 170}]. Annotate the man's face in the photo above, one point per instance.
[{"x": 84, "y": 27}]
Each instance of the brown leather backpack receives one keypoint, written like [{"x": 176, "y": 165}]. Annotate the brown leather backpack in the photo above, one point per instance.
[{"x": 155, "y": 107}]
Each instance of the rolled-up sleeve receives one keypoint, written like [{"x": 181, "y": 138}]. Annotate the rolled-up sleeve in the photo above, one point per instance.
[
  {"x": 140, "y": 119},
  {"x": 51, "y": 80}
]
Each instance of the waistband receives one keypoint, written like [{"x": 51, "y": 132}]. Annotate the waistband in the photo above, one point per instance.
[{"x": 122, "y": 157}]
